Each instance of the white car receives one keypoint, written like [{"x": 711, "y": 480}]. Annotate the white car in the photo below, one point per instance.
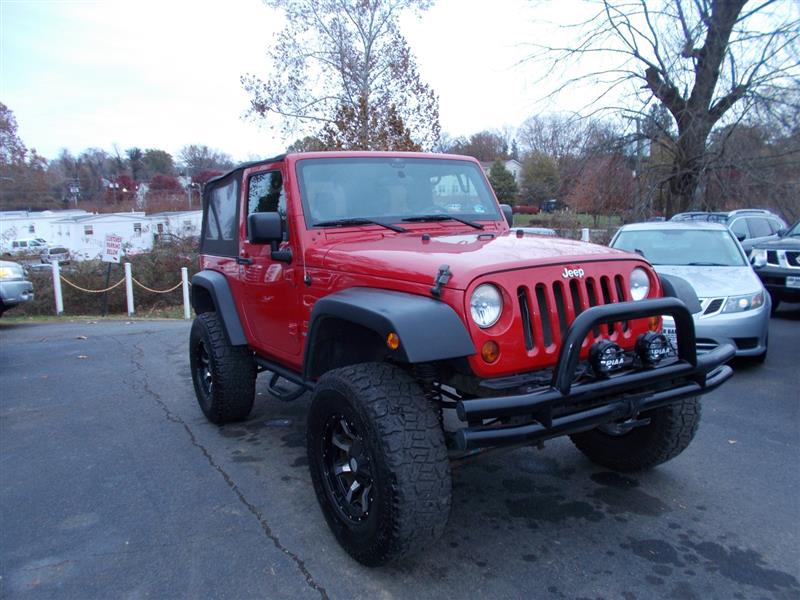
[{"x": 735, "y": 307}]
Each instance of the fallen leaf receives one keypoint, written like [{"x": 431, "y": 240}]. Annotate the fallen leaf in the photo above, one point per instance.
[
  {"x": 81, "y": 337},
  {"x": 82, "y": 356},
  {"x": 731, "y": 441}
]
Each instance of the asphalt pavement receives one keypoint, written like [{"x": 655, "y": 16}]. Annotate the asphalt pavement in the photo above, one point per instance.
[{"x": 113, "y": 485}]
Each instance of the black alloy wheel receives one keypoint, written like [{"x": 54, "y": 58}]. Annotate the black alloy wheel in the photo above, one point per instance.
[{"x": 348, "y": 468}]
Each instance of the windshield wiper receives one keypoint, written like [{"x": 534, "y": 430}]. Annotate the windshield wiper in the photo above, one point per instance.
[
  {"x": 359, "y": 221},
  {"x": 440, "y": 217},
  {"x": 706, "y": 264}
]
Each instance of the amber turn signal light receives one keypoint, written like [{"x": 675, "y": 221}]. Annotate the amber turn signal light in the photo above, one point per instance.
[
  {"x": 653, "y": 323},
  {"x": 393, "y": 341},
  {"x": 490, "y": 351}
]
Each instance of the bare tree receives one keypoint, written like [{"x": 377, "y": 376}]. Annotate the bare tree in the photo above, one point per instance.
[
  {"x": 707, "y": 61},
  {"x": 199, "y": 157},
  {"x": 342, "y": 71}
]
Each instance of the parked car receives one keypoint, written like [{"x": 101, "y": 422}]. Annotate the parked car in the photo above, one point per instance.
[
  {"x": 734, "y": 306},
  {"x": 24, "y": 246},
  {"x": 14, "y": 287},
  {"x": 777, "y": 263},
  {"x": 51, "y": 253},
  {"x": 749, "y": 225},
  {"x": 399, "y": 319}
]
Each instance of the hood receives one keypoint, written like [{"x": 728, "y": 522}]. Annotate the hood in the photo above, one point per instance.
[
  {"x": 715, "y": 282},
  {"x": 411, "y": 258},
  {"x": 784, "y": 243}
]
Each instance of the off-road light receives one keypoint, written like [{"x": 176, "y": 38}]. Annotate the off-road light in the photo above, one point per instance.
[
  {"x": 485, "y": 305},
  {"x": 640, "y": 284},
  {"x": 606, "y": 357},
  {"x": 490, "y": 351},
  {"x": 652, "y": 347}
]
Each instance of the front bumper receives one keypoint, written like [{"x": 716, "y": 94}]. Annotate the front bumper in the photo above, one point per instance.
[
  {"x": 747, "y": 331},
  {"x": 565, "y": 407},
  {"x": 15, "y": 292},
  {"x": 775, "y": 280}
]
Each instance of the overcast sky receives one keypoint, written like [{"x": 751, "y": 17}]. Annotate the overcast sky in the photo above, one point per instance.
[{"x": 163, "y": 74}]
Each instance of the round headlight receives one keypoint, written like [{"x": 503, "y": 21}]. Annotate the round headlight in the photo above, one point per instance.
[
  {"x": 486, "y": 305},
  {"x": 640, "y": 284}
]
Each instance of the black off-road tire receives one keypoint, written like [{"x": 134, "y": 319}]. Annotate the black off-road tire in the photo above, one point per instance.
[
  {"x": 402, "y": 450},
  {"x": 224, "y": 376},
  {"x": 669, "y": 432}
]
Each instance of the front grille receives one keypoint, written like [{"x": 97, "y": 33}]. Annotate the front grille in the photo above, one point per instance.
[
  {"x": 713, "y": 306},
  {"x": 548, "y": 309}
]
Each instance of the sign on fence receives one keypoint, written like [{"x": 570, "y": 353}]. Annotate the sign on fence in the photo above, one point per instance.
[{"x": 113, "y": 248}]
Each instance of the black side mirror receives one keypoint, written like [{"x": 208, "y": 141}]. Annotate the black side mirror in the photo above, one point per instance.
[
  {"x": 264, "y": 228},
  {"x": 508, "y": 213},
  {"x": 267, "y": 228}
]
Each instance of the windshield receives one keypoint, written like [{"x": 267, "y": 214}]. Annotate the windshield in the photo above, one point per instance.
[
  {"x": 794, "y": 231},
  {"x": 682, "y": 247},
  {"x": 390, "y": 190}
]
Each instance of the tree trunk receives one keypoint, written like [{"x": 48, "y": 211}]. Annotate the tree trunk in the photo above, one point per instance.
[{"x": 687, "y": 166}]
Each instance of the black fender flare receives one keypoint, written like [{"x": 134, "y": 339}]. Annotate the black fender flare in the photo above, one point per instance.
[
  {"x": 217, "y": 287},
  {"x": 429, "y": 330},
  {"x": 678, "y": 287}
]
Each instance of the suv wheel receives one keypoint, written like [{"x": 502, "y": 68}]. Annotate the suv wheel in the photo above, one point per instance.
[
  {"x": 224, "y": 376},
  {"x": 378, "y": 462},
  {"x": 669, "y": 432}
]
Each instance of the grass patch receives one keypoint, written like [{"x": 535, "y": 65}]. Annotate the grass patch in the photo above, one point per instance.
[{"x": 169, "y": 312}]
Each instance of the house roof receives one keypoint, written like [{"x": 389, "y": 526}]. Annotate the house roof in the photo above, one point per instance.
[{"x": 103, "y": 217}]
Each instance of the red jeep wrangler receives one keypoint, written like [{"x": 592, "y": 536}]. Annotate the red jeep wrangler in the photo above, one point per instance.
[{"x": 391, "y": 287}]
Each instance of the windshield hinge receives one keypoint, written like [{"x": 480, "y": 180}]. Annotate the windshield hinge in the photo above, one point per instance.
[{"x": 442, "y": 277}]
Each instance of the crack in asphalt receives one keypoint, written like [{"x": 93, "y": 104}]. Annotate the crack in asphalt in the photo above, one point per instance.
[{"x": 265, "y": 526}]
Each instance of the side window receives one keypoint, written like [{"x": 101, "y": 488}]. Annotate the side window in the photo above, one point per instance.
[
  {"x": 739, "y": 229},
  {"x": 759, "y": 227},
  {"x": 774, "y": 225},
  {"x": 221, "y": 225},
  {"x": 265, "y": 193}
]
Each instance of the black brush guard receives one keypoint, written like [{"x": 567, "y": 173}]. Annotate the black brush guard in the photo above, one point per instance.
[{"x": 621, "y": 396}]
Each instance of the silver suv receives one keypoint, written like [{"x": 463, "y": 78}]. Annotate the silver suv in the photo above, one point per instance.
[
  {"x": 749, "y": 225},
  {"x": 14, "y": 288}
]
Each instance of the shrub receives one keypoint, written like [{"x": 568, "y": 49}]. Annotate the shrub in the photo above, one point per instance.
[{"x": 158, "y": 270}]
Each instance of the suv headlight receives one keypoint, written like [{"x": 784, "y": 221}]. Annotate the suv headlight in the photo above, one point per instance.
[
  {"x": 758, "y": 257},
  {"x": 485, "y": 305},
  {"x": 640, "y": 284},
  {"x": 11, "y": 272},
  {"x": 736, "y": 304}
]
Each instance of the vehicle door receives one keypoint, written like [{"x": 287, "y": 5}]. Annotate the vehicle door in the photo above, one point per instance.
[{"x": 270, "y": 289}]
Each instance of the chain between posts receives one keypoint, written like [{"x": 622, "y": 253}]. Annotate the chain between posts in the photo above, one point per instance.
[
  {"x": 144, "y": 287},
  {"x": 77, "y": 287}
]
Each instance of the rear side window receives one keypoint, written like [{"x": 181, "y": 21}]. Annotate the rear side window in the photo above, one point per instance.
[
  {"x": 220, "y": 217},
  {"x": 759, "y": 227}
]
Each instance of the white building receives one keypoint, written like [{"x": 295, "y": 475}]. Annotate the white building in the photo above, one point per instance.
[
  {"x": 513, "y": 166},
  {"x": 83, "y": 233}
]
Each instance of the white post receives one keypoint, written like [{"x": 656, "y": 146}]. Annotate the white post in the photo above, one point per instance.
[
  {"x": 185, "y": 280},
  {"x": 129, "y": 288},
  {"x": 585, "y": 234},
  {"x": 57, "y": 287}
]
